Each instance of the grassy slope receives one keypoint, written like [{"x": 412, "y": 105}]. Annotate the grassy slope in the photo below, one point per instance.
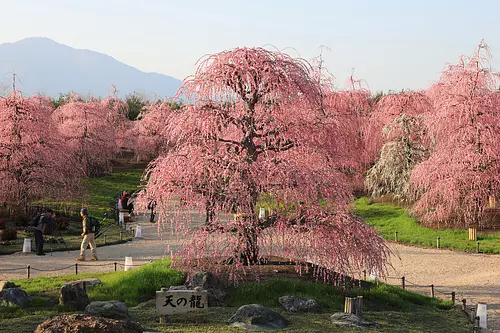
[
  {"x": 396, "y": 310},
  {"x": 99, "y": 196},
  {"x": 102, "y": 192},
  {"x": 388, "y": 219}
]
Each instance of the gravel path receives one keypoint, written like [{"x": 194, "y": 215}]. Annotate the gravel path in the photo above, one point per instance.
[{"x": 471, "y": 276}]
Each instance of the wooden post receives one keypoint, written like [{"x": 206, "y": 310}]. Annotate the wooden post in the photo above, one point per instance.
[
  {"x": 453, "y": 297},
  {"x": 396, "y": 236},
  {"x": 28, "y": 268},
  {"x": 76, "y": 269},
  {"x": 359, "y": 306},
  {"x": 115, "y": 263},
  {"x": 493, "y": 202},
  {"x": 473, "y": 234},
  {"x": 464, "y": 304},
  {"x": 403, "y": 282},
  {"x": 349, "y": 305},
  {"x": 438, "y": 242},
  {"x": 476, "y": 323},
  {"x": 432, "y": 290},
  {"x": 354, "y": 305},
  {"x": 477, "y": 247}
]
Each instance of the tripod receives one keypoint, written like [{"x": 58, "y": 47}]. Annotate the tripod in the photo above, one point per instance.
[
  {"x": 56, "y": 238},
  {"x": 102, "y": 231}
]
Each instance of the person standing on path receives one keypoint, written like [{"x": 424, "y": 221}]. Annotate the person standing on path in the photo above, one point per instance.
[
  {"x": 44, "y": 221},
  {"x": 88, "y": 236}
]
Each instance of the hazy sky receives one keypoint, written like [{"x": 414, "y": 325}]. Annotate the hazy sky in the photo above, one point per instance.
[{"x": 392, "y": 44}]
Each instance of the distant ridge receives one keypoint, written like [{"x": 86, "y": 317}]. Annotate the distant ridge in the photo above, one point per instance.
[{"x": 47, "y": 67}]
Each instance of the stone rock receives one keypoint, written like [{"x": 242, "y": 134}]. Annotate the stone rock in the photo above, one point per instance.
[
  {"x": 73, "y": 295},
  {"x": 177, "y": 288},
  {"x": 14, "y": 296},
  {"x": 79, "y": 323},
  {"x": 254, "y": 317},
  {"x": 109, "y": 309},
  {"x": 215, "y": 287},
  {"x": 351, "y": 320},
  {"x": 89, "y": 283},
  {"x": 6, "y": 284},
  {"x": 297, "y": 304}
]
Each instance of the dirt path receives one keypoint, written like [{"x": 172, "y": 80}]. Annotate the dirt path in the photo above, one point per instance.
[{"x": 472, "y": 276}]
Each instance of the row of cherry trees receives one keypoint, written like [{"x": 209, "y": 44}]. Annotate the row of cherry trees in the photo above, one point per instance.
[
  {"x": 441, "y": 147},
  {"x": 46, "y": 152},
  {"x": 262, "y": 126}
]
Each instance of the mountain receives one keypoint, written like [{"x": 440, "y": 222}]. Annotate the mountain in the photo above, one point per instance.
[{"x": 47, "y": 67}]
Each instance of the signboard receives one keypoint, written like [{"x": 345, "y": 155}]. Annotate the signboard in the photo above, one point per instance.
[{"x": 181, "y": 301}]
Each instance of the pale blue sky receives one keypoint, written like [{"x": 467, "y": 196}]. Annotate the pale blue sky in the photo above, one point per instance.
[{"x": 390, "y": 44}]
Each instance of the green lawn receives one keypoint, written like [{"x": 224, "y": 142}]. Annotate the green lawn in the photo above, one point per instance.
[
  {"x": 388, "y": 219},
  {"x": 99, "y": 196},
  {"x": 102, "y": 192},
  {"x": 396, "y": 310}
]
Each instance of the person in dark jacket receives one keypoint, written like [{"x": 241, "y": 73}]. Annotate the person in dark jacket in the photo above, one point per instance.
[
  {"x": 44, "y": 222},
  {"x": 88, "y": 236},
  {"x": 152, "y": 206}
]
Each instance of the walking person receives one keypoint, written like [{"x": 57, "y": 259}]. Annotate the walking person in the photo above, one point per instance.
[
  {"x": 88, "y": 236},
  {"x": 152, "y": 206},
  {"x": 41, "y": 226}
]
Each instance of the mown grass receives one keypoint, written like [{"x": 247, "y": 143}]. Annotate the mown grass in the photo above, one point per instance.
[
  {"x": 130, "y": 287},
  {"x": 396, "y": 310},
  {"x": 103, "y": 192},
  {"x": 99, "y": 196},
  {"x": 388, "y": 219},
  {"x": 268, "y": 292},
  {"x": 137, "y": 285}
]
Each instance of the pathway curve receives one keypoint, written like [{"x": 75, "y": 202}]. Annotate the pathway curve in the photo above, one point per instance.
[{"x": 472, "y": 276}]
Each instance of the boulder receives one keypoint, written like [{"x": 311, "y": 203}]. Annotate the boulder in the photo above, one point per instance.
[
  {"x": 109, "y": 309},
  {"x": 216, "y": 288},
  {"x": 79, "y": 323},
  {"x": 89, "y": 283},
  {"x": 351, "y": 320},
  {"x": 6, "y": 284},
  {"x": 173, "y": 288},
  {"x": 14, "y": 296},
  {"x": 73, "y": 295},
  {"x": 254, "y": 317},
  {"x": 297, "y": 304}
]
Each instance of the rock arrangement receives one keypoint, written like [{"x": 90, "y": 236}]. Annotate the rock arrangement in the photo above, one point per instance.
[
  {"x": 254, "y": 317},
  {"x": 215, "y": 287},
  {"x": 74, "y": 295},
  {"x": 6, "y": 285},
  {"x": 351, "y": 320},
  {"x": 89, "y": 283},
  {"x": 86, "y": 323},
  {"x": 109, "y": 309},
  {"x": 113, "y": 316},
  {"x": 296, "y": 304},
  {"x": 12, "y": 295}
]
